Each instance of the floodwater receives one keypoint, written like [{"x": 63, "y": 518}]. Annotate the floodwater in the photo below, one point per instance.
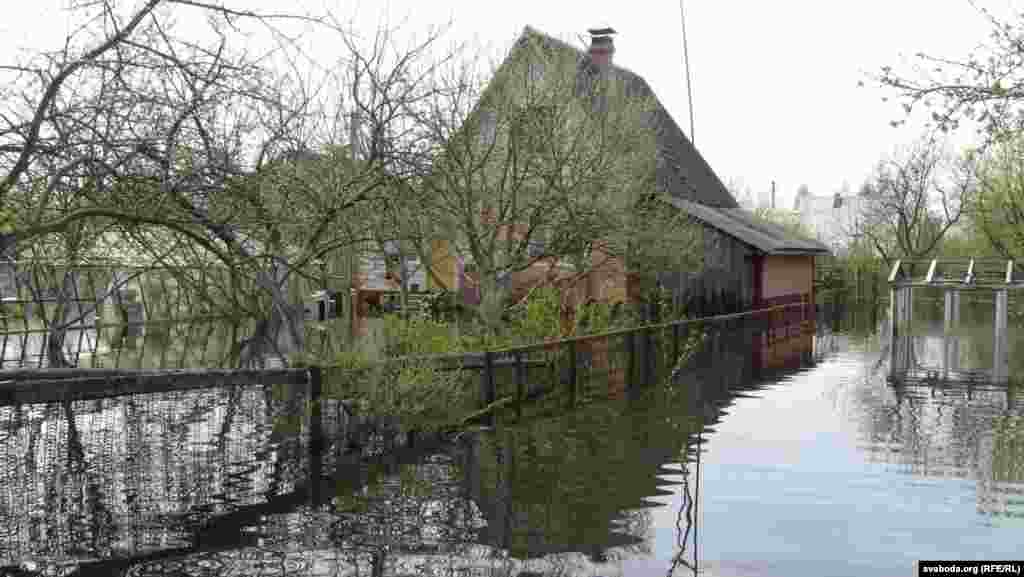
[{"x": 806, "y": 460}]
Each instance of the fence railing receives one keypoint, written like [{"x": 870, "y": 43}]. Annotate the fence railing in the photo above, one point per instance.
[
  {"x": 103, "y": 315},
  {"x": 610, "y": 364},
  {"x": 574, "y": 369}
]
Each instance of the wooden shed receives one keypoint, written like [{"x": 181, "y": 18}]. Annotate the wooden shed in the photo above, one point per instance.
[{"x": 747, "y": 260}]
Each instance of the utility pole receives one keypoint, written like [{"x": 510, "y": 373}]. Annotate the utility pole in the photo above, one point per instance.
[
  {"x": 686, "y": 66},
  {"x": 773, "y": 195}
]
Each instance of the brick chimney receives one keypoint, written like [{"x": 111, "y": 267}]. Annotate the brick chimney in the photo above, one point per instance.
[{"x": 601, "y": 46}]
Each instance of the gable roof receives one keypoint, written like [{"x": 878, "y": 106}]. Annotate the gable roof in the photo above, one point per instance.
[
  {"x": 745, "y": 226},
  {"x": 681, "y": 170}
]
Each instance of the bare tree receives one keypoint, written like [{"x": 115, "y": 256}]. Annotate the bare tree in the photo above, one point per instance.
[
  {"x": 132, "y": 140},
  {"x": 917, "y": 197},
  {"x": 741, "y": 191}
]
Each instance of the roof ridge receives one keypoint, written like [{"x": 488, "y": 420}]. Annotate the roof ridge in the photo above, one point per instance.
[{"x": 691, "y": 176}]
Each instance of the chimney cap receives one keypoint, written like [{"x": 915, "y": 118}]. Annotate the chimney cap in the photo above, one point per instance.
[{"x": 601, "y": 31}]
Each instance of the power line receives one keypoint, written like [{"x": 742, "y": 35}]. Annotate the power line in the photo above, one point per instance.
[{"x": 686, "y": 66}]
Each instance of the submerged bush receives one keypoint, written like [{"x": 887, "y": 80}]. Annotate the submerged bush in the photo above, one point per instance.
[
  {"x": 411, "y": 384},
  {"x": 422, "y": 387}
]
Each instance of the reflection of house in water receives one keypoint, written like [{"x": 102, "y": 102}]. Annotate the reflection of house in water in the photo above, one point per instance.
[{"x": 535, "y": 484}]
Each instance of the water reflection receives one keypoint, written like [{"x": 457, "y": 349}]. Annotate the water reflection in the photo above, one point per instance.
[
  {"x": 155, "y": 345},
  {"x": 762, "y": 454}
]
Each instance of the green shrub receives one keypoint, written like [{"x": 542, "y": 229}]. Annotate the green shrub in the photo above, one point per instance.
[{"x": 409, "y": 385}]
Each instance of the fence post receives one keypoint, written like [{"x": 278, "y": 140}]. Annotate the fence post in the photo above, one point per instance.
[
  {"x": 630, "y": 358},
  {"x": 675, "y": 344},
  {"x": 314, "y": 389},
  {"x": 487, "y": 392},
  {"x": 1000, "y": 361},
  {"x": 874, "y": 286},
  {"x": 572, "y": 373},
  {"x": 894, "y": 313},
  {"x": 650, "y": 359},
  {"x": 520, "y": 385},
  {"x": 948, "y": 310}
]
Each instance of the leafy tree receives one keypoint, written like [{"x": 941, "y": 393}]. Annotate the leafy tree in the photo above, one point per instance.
[
  {"x": 997, "y": 215},
  {"x": 533, "y": 170}
]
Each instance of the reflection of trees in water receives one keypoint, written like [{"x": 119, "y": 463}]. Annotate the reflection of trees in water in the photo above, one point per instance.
[
  {"x": 686, "y": 517},
  {"x": 562, "y": 486},
  {"x": 566, "y": 496},
  {"x": 948, "y": 429},
  {"x": 183, "y": 344},
  {"x": 857, "y": 321},
  {"x": 967, "y": 427},
  {"x": 127, "y": 475}
]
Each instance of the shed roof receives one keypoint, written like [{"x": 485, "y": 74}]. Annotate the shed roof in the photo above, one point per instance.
[{"x": 746, "y": 227}]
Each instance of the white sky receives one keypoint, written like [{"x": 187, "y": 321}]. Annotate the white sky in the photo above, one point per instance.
[{"x": 774, "y": 83}]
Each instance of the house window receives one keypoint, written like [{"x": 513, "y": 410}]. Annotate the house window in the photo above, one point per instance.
[
  {"x": 504, "y": 280},
  {"x": 534, "y": 74},
  {"x": 535, "y": 248}
]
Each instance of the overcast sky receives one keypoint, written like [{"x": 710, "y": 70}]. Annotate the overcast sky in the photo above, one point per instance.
[{"x": 774, "y": 83}]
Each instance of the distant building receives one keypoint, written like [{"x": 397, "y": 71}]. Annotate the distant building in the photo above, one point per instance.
[{"x": 834, "y": 219}]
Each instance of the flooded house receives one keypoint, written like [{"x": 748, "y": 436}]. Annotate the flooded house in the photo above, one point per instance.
[{"x": 746, "y": 261}]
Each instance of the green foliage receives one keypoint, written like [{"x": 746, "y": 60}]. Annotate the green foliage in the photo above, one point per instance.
[
  {"x": 6, "y": 221},
  {"x": 416, "y": 389},
  {"x": 997, "y": 215},
  {"x": 425, "y": 393},
  {"x": 788, "y": 220},
  {"x": 693, "y": 340},
  {"x": 968, "y": 244},
  {"x": 538, "y": 318}
]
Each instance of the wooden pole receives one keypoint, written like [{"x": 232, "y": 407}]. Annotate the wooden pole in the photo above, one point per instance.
[
  {"x": 314, "y": 389},
  {"x": 520, "y": 385},
  {"x": 487, "y": 392},
  {"x": 572, "y": 373},
  {"x": 648, "y": 357},
  {"x": 948, "y": 310},
  {"x": 630, "y": 358},
  {"x": 856, "y": 276},
  {"x": 675, "y": 344},
  {"x": 895, "y": 297}
]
